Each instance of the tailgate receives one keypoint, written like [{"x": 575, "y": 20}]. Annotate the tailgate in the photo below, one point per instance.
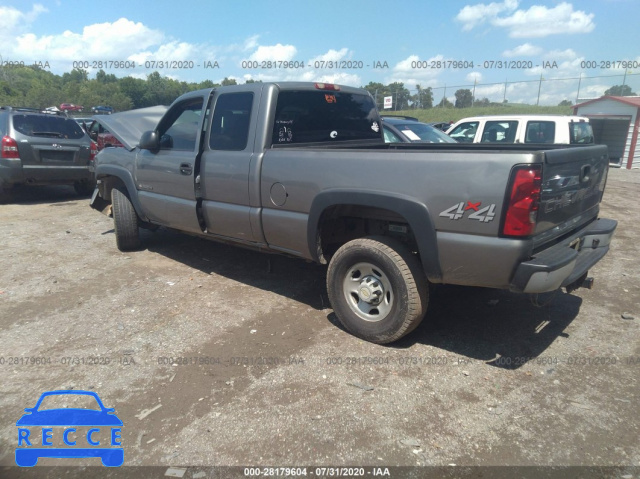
[
  {"x": 53, "y": 152},
  {"x": 573, "y": 180}
]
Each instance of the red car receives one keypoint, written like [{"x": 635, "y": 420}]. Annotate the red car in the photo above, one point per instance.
[
  {"x": 70, "y": 107},
  {"x": 102, "y": 136}
]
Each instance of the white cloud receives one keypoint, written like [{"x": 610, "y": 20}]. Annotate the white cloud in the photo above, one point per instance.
[
  {"x": 557, "y": 55},
  {"x": 474, "y": 77},
  {"x": 332, "y": 55},
  {"x": 524, "y": 50},
  {"x": 540, "y": 21},
  {"x": 272, "y": 53},
  {"x": 99, "y": 41},
  {"x": 473, "y": 15},
  {"x": 13, "y": 19},
  {"x": 536, "y": 21}
]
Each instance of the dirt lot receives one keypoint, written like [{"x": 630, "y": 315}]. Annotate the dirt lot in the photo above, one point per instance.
[{"x": 213, "y": 355}]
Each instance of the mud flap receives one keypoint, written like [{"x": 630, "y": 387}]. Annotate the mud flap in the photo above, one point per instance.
[{"x": 100, "y": 204}]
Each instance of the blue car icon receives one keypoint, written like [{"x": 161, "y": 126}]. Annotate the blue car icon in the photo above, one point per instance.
[{"x": 68, "y": 419}]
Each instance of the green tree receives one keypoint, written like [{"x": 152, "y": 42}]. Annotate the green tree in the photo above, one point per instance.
[
  {"x": 423, "y": 98},
  {"x": 619, "y": 90},
  {"x": 565, "y": 103},
  {"x": 378, "y": 91},
  {"x": 229, "y": 81},
  {"x": 401, "y": 96},
  {"x": 464, "y": 98}
]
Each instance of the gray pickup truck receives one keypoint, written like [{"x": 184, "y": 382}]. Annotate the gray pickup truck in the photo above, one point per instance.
[{"x": 302, "y": 169}]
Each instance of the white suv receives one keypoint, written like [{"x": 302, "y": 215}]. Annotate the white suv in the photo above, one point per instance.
[{"x": 523, "y": 129}]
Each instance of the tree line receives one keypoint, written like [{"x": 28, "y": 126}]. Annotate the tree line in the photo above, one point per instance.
[
  {"x": 31, "y": 86},
  {"x": 34, "y": 87}
]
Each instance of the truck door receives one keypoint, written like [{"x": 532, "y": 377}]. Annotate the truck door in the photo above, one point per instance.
[
  {"x": 225, "y": 166},
  {"x": 165, "y": 178}
]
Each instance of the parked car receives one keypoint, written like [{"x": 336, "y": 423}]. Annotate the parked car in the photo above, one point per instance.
[
  {"x": 559, "y": 129},
  {"x": 406, "y": 129},
  {"x": 44, "y": 148},
  {"x": 441, "y": 125},
  {"x": 102, "y": 109},
  {"x": 83, "y": 121},
  {"x": 101, "y": 135},
  {"x": 70, "y": 107}
]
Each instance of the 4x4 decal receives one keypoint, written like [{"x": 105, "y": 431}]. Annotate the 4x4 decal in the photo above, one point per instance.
[{"x": 458, "y": 210}]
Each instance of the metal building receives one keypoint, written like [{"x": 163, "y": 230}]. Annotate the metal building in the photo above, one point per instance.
[{"x": 615, "y": 121}]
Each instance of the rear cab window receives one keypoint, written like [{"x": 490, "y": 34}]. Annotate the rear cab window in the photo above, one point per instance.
[
  {"x": 47, "y": 126},
  {"x": 311, "y": 116},
  {"x": 540, "y": 132},
  {"x": 231, "y": 119},
  {"x": 580, "y": 132},
  {"x": 499, "y": 132}
]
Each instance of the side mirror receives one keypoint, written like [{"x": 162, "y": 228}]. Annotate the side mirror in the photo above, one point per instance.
[{"x": 149, "y": 141}]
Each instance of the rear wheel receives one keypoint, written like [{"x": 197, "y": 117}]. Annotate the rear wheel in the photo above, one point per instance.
[
  {"x": 125, "y": 220},
  {"x": 4, "y": 193},
  {"x": 377, "y": 288}
]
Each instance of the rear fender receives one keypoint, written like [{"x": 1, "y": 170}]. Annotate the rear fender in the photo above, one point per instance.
[{"x": 416, "y": 214}]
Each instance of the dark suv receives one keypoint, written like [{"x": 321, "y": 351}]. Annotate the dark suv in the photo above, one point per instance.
[{"x": 40, "y": 148}]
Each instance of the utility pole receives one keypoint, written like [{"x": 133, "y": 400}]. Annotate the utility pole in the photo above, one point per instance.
[
  {"x": 539, "y": 88},
  {"x": 473, "y": 95}
]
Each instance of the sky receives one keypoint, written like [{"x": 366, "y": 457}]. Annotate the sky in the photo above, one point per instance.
[{"x": 540, "y": 51}]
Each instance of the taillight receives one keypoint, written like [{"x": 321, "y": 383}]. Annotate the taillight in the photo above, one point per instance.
[
  {"x": 327, "y": 86},
  {"x": 9, "y": 148},
  {"x": 523, "y": 201},
  {"x": 94, "y": 150}
]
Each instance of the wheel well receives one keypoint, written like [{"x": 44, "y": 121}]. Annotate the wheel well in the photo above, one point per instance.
[
  {"x": 108, "y": 183},
  {"x": 340, "y": 224}
]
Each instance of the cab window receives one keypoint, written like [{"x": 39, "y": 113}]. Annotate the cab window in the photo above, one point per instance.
[
  {"x": 499, "y": 132},
  {"x": 230, "y": 124},
  {"x": 465, "y": 132},
  {"x": 540, "y": 132},
  {"x": 580, "y": 132},
  {"x": 180, "y": 128}
]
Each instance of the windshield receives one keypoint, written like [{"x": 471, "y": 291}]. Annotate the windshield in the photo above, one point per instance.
[
  {"x": 47, "y": 126},
  {"x": 424, "y": 133}
]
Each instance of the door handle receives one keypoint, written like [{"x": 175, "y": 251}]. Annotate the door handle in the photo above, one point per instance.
[{"x": 186, "y": 168}]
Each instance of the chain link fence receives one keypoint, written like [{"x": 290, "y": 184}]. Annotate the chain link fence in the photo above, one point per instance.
[{"x": 541, "y": 91}]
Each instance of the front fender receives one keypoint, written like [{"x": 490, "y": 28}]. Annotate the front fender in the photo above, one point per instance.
[{"x": 108, "y": 177}]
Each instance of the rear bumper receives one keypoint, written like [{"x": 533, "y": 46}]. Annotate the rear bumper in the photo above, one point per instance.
[
  {"x": 12, "y": 172},
  {"x": 566, "y": 262}
]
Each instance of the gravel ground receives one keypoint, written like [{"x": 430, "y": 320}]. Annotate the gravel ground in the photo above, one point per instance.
[{"x": 217, "y": 356}]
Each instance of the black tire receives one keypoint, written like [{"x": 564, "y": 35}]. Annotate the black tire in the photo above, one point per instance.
[
  {"x": 125, "y": 220},
  {"x": 84, "y": 188},
  {"x": 5, "y": 196},
  {"x": 383, "y": 269}
]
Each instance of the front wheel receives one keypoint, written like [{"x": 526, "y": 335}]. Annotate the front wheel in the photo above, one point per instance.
[
  {"x": 377, "y": 288},
  {"x": 125, "y": 220}
]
